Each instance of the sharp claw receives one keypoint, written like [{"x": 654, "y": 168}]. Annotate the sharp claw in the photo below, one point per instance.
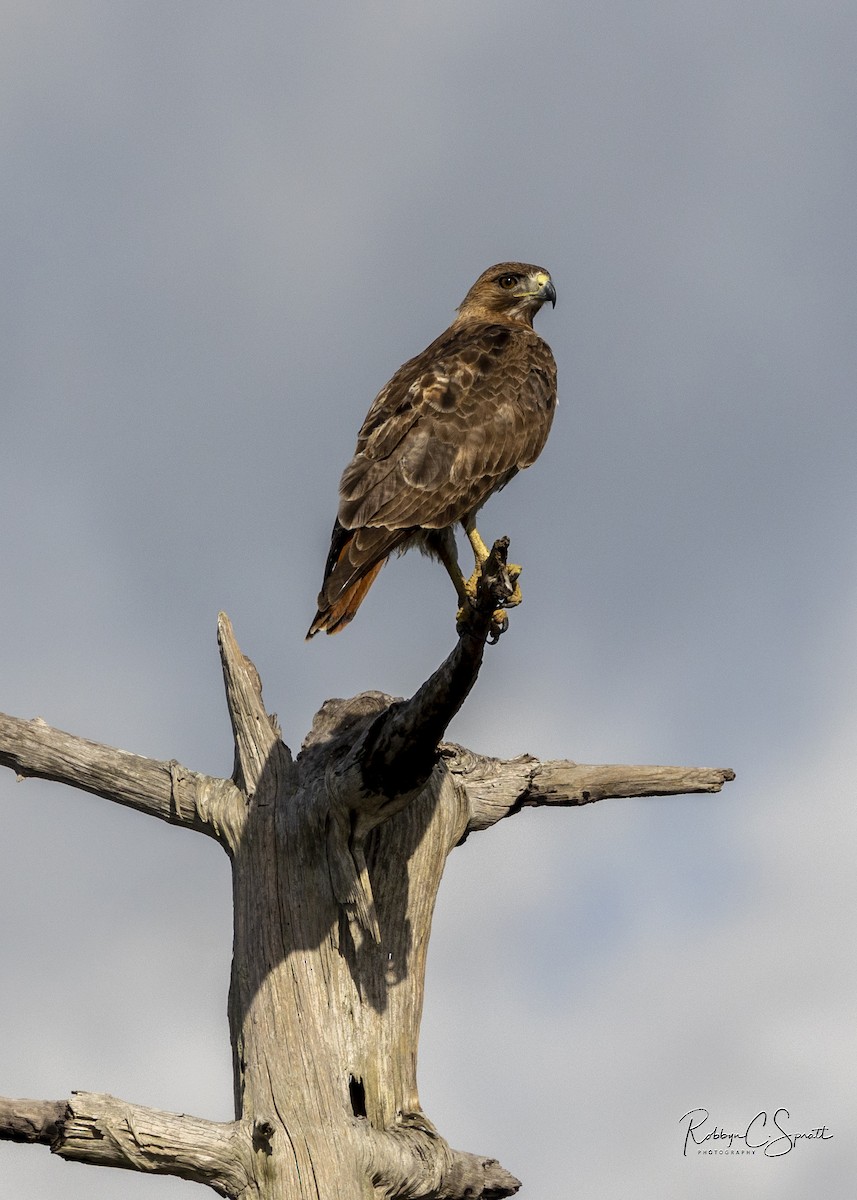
[{"x": 499, "y": 625}]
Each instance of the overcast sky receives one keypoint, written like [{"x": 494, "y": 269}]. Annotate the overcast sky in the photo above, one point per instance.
[{"x": 224, "y": 226}]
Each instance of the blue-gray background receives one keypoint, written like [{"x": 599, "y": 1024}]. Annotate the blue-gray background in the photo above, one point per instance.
[{"x": 224, "y": 226}]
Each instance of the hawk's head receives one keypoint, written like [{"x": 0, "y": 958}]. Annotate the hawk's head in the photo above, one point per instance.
[{"x": 510, "y": 289}]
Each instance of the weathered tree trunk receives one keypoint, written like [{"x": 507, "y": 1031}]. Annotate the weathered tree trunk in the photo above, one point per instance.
[{"x": 337, "y": 858}]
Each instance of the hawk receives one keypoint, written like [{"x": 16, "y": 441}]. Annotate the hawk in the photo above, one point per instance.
[{"x": 451, "y": 427}]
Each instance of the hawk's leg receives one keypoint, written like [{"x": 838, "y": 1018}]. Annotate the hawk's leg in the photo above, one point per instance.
[
  {"x": 480, "y": 554},
  {"x": 480, "y": 550},
  {"x": 499, "y": 620},
  {"x": 441, "y": 543}
]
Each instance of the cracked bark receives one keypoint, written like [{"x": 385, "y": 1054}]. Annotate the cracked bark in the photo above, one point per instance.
[{"x": 337, "y": 858}]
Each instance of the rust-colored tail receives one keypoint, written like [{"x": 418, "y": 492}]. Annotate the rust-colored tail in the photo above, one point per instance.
[
  {"x": 355, "y": 558},
  {"x": 334, "y": 618}
]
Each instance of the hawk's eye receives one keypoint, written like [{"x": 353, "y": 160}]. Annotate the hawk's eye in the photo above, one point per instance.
[{"x": 507, "y": 281}]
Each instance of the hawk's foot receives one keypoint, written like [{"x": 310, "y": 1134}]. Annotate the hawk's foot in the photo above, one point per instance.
[
  {"x": 498, "y": 625},
  {"x": 493, "y": 582},
  {"x": 471, "y": 584},
  {"x": 514, "y": 571},
  {"x": 464, "y": 617}
]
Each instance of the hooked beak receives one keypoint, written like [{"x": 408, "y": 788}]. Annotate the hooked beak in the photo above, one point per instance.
[{"x": 547, "y": 292}]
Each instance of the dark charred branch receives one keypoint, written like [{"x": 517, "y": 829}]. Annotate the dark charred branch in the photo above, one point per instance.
[
  {"x": 36, "y": 1121},
  {"x": 399, "y": 750}
]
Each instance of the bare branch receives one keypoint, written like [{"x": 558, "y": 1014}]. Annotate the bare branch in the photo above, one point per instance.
[
  {"x": 104, "y": 1131},
  {"x": 258, "y": 744},
  {"x": 161, "y": 789},
  {"x": 564, "y": 782},
  {"x": 499, "y": 788},
  {"x": 417, "y": 1163}
]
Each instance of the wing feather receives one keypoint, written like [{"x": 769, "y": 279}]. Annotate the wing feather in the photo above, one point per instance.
[{"x": 451, "y": 427}]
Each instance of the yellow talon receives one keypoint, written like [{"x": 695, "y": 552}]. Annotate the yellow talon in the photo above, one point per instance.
[
  {"x": 468, "y": 590},
  {"x": 514, "y": 571},
  {"x": 471, "y": 584},
  {"x": 463, "y": 617}
]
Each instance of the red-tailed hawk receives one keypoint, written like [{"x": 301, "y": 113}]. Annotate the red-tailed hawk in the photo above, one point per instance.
[{"x": 451, "y": 427}]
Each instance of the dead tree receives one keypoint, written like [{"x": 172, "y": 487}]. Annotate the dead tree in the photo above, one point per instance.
[{"x": 336, "y": 858}]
